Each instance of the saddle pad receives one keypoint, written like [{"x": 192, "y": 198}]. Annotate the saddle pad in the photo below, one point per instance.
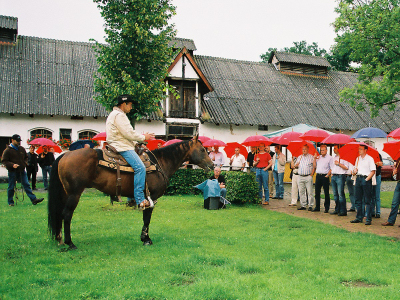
[{"x": 112, "y": 165}]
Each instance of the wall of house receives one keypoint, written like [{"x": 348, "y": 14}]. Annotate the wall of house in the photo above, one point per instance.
[
  {"x": 233, "y": 133},
  {"x": 156, "y": 127},
  {"x": 23, "y": 124}
]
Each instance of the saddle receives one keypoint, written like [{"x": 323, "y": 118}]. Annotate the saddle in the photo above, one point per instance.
[{"x": 111, "y": 159}]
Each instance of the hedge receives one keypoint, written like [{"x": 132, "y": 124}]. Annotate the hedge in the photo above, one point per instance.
[{"x": 241, "y": 187}]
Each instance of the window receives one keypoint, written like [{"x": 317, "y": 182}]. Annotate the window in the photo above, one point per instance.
[
  {"x": 263, "y": 127},
  {"x": 65, "y": 134},
  {"x": 41, "y": 133},
  {"x": 183, "y": 106},
  {"x": 87, "y": 134},
  {"x": 181, "y": 131}
]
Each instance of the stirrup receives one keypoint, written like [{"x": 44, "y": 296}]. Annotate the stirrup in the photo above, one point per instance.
[{"x": 147, "y": 203}]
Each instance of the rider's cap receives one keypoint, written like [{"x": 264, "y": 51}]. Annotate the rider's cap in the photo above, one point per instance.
[{"x": 124, "y": 99}]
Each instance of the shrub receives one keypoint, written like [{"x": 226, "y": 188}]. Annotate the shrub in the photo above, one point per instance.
[
  {"x": 241, "y": 187},
  {"x": 182, "y": 182}
]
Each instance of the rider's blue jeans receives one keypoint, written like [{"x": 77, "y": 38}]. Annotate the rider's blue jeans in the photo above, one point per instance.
[{"x": 140, "y": 174}]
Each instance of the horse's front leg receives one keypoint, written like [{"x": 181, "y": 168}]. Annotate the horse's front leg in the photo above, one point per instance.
[{"x": 145, "y": 238}]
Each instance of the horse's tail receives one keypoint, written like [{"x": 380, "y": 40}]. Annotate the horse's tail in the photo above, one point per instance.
[{"x": 55, "y": 202}]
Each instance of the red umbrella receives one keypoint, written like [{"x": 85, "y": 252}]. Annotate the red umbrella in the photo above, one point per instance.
[
  {"x": 395, "y": 134},
  {"x": 230, "y": 149},
  {"x": 43, "y": 142},
  {"x": 213, "y": 142},
  {"x": 56, "y": 149},
  {"x": 203, "y": 138},
  {"x": 100, "y": 137},
  {"x": 315, "y": 135},
  {"x": 153, "y": 144},
  {"x": 287, "y": 137},
  {"x": 274, "y": 140},
  {"x": 256, "y": 140},
  {"x": 349, "y": 152},
  {"x": 296, "y": 147},
  {"x": 339, "y": 139},
  {"x": 170, "y": 142},
  {"x": 392, "y": 148}
]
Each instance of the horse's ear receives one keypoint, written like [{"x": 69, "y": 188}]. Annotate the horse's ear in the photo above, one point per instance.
[{"x": 196, "y": 138}]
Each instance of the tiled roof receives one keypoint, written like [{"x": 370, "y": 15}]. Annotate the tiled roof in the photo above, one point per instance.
[
  {"x": 300, "y": 59},
  {"x": 256, "y": 93},
  {"x": 8, "y": 22},
  {"x": 179, "y": 43},
  {"x": 50, "y": 77}
]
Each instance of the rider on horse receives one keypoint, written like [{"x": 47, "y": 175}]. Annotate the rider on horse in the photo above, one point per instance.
[{"x": 123, "y": 138}]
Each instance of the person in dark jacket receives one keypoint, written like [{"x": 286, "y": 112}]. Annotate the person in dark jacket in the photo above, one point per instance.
[
  {"x": 46, "y": 159},
  {"x": 32, "y": 167},
  {"x": 15, "y": 159},
  {"x": 221, "y": 180}
]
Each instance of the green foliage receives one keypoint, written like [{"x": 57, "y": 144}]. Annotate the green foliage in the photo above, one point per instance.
[
  {"x": 182, "y": 182},
  {"x": 241, "y": 187},
  {"x": 369, "y": 31},
  {"x": 136, "y": 57}
]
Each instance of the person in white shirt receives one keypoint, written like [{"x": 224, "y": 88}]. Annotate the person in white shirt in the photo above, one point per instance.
[
  {"x": 278, "y": 169},
  {"x": 351, "y": 188},
  {"x": 323, "y": 171},
  {"x": 364, "y": 169},
  {"x": 237, "y": 161},
  {"x": 123, "y": 138},
  {"x": 217, "y": 157},
  {"x": 339, "y": 168}
]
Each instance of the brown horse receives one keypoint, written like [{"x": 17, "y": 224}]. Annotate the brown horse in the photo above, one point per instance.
[{"x": 77, "y": 170}]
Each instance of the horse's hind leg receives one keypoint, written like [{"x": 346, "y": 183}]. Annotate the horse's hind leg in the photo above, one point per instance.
[
  {"x": 145, "y": 230},
  {"x": 72, "y": 202}
]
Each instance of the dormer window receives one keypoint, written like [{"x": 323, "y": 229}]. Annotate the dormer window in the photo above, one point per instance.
[
  {"x": 300, "y": 64},
  {"x": 8, "y": 30}
]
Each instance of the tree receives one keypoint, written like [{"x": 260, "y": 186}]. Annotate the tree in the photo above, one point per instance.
[
  {"x": 369, "y": 30},
  {"x": 136, "y": 55}
]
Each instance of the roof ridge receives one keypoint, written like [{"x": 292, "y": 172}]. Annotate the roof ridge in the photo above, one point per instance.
[
  {"x": 230, "y": 59},
  {"x": 300, "y": 54},
  {"x": 11, "y": 17},
  {"x": 185, "y": 39},
  {"x": 55, "y": 40}
]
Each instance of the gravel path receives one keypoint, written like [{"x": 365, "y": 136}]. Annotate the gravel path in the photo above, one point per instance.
[{"x": 341, "y": 222}]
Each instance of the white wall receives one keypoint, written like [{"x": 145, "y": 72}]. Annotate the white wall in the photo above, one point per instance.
[
  {"x": 232, "y": 133},
  {"x": 23, "y": 124},
  {"x": 156, "y": 127}
]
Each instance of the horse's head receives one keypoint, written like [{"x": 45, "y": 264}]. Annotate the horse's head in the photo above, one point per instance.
[{"x": 198, "y": 155}]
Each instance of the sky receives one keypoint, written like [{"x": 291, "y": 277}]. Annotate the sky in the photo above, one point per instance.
[{"x": 235, "y": 29}]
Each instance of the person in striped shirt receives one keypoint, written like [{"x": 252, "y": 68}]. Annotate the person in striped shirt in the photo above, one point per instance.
[{"x": 306, "y": 167}]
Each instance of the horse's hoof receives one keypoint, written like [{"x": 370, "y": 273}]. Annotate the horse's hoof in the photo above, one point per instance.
[
  {"x": 72, "y": 247},
  {"x": 147, "y": 243}
]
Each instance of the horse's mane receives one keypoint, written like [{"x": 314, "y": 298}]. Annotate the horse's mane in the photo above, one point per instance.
[{"x": 172, "y": 152}]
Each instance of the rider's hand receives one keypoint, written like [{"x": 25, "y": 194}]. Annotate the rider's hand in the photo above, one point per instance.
[
  {"x": 149, "y": 136},
  {"x": 15, "y": 166}
]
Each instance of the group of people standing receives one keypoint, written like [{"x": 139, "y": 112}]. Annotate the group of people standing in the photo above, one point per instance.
[
  {"x": 362, "y": 179},
  {"x": 268, "y": 166}
]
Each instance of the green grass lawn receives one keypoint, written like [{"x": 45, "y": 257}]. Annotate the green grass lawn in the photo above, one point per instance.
[{"x": 239, "y": 253}]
